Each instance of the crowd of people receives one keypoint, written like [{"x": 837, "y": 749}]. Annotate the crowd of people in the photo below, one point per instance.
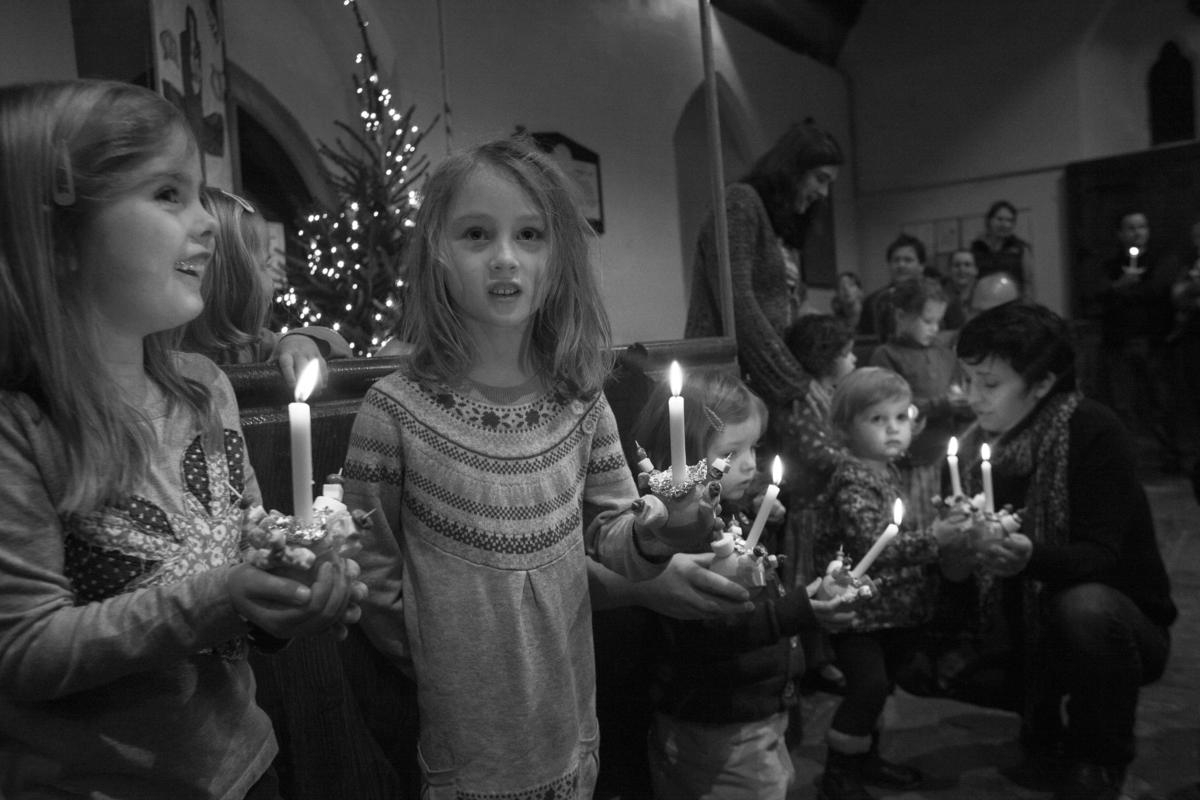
[{"x": 498, "y": 507}]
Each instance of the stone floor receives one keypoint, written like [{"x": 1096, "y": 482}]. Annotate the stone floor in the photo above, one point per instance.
[{"x": 964, "y": 747}]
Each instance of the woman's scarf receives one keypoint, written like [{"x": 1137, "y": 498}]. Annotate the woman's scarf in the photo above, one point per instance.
[{"x": 1038, "y": 448}]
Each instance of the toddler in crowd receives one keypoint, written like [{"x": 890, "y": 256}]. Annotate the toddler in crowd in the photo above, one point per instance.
[
  {"x": 932, "y": 370},
  {"x": 125, "y": 606},
  {"x": 237, "y": 292},
  {"x": 870, "y": 413},
  {"x": 722, "y": 689},
  {"x": 483, "y": 458}
]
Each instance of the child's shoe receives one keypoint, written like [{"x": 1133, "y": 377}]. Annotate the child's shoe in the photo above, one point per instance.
[{"x": 843, "y": 777}]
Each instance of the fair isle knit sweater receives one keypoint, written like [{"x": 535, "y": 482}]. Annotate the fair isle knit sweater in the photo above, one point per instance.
[{"x": 479, "y": 507}]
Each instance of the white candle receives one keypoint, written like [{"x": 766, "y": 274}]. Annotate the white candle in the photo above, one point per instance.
[
  {"x": 989, "y": 500},
  {"x": 300, "y": 420},
  {"x": 885, "y": 538},
  {"x": 768, "y": 503},
  {"x": 952, "y": 463},
  {"x": 678, "y": 436},
  {"x": 1133, "y": 254}
]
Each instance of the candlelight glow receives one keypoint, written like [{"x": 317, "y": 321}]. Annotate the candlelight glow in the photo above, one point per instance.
[
  {"x": 985, "y": 452},
  {"x": 952, "y": 447},
  {"x": 898, "y": 511},
  {"x": 307, "y": 380},
  {"x": 777, "y": 471},
  {"x": 1133, "y": 251},
  {"x": 676, "y": 378}
]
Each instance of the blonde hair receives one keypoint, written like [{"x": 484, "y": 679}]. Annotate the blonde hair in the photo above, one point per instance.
[
  {"x": 569, "y": 333},
  {"x": 66, "y": 149},
  {"x": 712, "y": 400},
  {"x": 236, "y": 303},
  {"x": 861, "y": 389}
]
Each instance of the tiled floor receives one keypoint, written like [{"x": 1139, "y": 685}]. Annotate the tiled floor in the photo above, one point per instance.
[{"x": 964, "y": 747}]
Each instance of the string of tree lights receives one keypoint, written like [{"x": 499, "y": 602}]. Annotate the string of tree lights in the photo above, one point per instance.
[{"x": 351, "y": 275}]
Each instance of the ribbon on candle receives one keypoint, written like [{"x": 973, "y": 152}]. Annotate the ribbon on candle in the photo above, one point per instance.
[
  {"x": 885, "y": 538},
  {"x": 300, "y": 422},
  {"x": 768, "y": 502},
  {"x": 989, "y": 499},
  {"x": 678, "y": 436},
  {"x": 952, "y": 463}
]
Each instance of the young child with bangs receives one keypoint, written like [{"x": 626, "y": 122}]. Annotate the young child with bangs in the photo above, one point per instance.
[
  {"x": 870, "y": 413},
  {"x": 722, "y": 689}
]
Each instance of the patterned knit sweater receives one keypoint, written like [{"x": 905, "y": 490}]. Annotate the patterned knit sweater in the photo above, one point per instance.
[
  {"x": 479, "y": 508},
  {"x": 761, "y": 304},
  {"x": 122, "y": 667},
  {"x": 860, "y": 507}
]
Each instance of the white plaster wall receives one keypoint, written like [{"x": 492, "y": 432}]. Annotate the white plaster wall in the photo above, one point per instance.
[{"x": 36, "y": 42}]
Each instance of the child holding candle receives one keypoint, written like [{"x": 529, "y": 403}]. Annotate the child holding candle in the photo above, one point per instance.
[
  {"x": 484, "y": 457},
  {"x": 722, "y": 689},
  {"x": 232, "y": 327},
  {"x": 125, "y": 607},
  {"x": 870, "y": 414}
]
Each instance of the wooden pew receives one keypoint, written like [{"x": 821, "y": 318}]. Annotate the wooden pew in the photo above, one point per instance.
[{"x": 345, "y": 718}]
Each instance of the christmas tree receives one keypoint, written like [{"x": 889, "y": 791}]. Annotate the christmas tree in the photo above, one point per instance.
[{"x": 351, "y": 275}]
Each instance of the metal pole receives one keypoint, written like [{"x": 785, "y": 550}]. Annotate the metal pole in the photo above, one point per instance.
[{"x": 716, "y": 168}]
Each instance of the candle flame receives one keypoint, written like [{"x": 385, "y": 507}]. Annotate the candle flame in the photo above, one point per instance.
[
  {"x": 676, "y": 378},
  {"x": 952, "y": 447},
  {"x": 1133, "y": 251},
  {"x": 307, "y": 380},
  {"x": 776, "y": 471},
  {"x": 898, "y": 511},
  {"x": 985, "y": 452}
]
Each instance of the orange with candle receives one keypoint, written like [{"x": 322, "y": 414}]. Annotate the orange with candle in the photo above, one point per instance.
[{"x": 319, "y": 531}]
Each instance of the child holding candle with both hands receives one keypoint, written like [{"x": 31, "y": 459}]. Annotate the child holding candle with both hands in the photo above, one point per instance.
[
  {"x": 722, "y": 688},
  {"x": 125, "y": 604},
  {"x": 484, "y": 457},
  {"x": 870, "y": 414}
]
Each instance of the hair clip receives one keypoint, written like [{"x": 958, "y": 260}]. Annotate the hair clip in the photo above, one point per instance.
[
  {"x": 717, "y": 423},
  {"x": 241, "y": 201},
  {"x": 64, "y": 177}
]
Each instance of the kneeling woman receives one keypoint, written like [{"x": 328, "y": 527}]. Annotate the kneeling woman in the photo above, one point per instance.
[{"x": 1083, "y": 582}]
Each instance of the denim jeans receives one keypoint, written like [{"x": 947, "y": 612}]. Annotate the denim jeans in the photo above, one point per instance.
[{"x": 1100, "y": 650}]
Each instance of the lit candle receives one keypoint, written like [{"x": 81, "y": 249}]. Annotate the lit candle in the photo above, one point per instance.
[
  {"x": 989, "y": 500},
  {"x": 952, "y": 463},
  {"x": 300, "y": 420},
  {"x": 885, "y": 538},
  {"x": 1133, "y": 254},
  {"x": 768, "y": 503},
  {"x": 678, "y": 440}
]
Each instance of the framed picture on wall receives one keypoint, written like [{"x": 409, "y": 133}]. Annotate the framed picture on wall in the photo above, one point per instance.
[
  {"x": 583, "y": 167},
  {"x": 189, "y": 61}
]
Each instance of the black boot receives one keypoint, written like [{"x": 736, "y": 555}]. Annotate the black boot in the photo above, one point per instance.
[
  {"x": 842, "y": 779},
  {"x": 1092, "y": 782},
  {"x": 877, "y": 771}
]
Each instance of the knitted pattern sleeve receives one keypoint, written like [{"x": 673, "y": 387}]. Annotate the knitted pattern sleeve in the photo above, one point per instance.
[
  {"x": 760, "y": 296},
  {"x": 375, "y": 471}
]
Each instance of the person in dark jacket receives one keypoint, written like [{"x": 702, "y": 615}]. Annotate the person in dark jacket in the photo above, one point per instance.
[
  {"x": 722, "y": 689},
  {"x": 1082, "y": 584}
]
